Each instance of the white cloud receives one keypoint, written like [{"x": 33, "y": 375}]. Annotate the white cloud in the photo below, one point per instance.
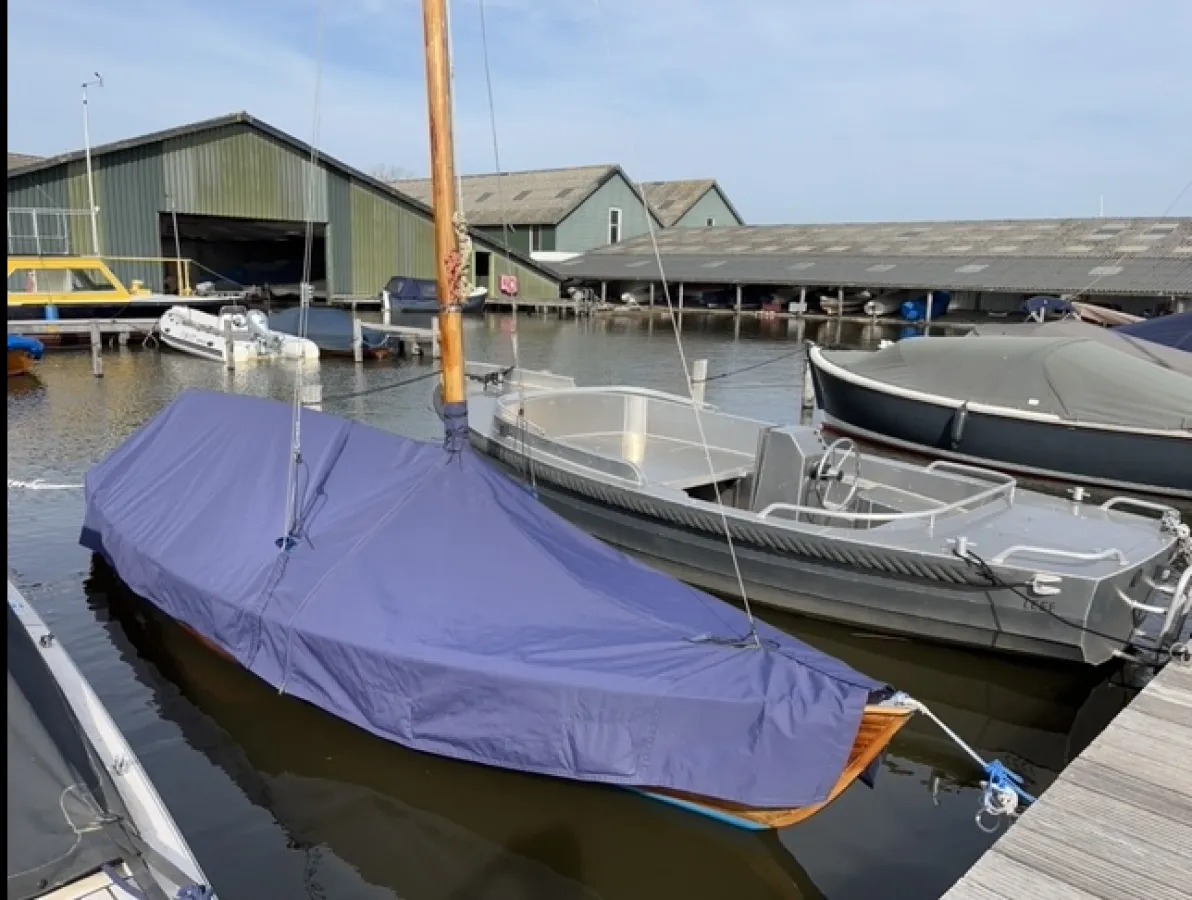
[{"x": 859, "y": 109}]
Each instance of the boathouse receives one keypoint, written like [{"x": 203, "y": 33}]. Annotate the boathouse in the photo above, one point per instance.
[{"x": 232, "y": 194}]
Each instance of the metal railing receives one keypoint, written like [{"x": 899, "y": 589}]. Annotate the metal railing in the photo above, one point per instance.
[{"x": 47, "y": 231}]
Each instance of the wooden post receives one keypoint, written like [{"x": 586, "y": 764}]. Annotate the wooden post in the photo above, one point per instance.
[
  {"x": 808, "y": 384},
  {"x": 96, "y": 351},
  {"x": 680, "y": 296},
  {"x": 357, "y": 340},
  {"x": 699, "y": 379},
  {"x": 738, "y": 305},
  {"x": 386, "y": 310},
  {"x": 840, "y": 303},
  {"x": 442, "y": 177},
  {"x": 229, "y": 346},
  {"x": 927, "y": 310},
  {"x": 434, "y": 338},
  {"x": 802, "y": 300},
  {"x": 603, "y": 292},
  {"x": 651, "y": 295}
]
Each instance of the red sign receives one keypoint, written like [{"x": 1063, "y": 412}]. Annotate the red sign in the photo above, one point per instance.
[{"x": 509, "y": 285}]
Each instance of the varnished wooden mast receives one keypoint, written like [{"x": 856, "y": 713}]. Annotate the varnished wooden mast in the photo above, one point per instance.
[{"x": 442, "y": 176}]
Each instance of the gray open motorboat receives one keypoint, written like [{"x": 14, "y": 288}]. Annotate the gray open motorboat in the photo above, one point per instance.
[{"x": 945, "y": 551}]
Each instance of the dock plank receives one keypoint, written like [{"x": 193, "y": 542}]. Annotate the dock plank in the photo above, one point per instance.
[{"x": 1117, "y": 823}]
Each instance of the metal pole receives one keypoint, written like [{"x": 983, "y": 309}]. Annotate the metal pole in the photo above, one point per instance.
[
  {"x": 98, "y": 82},
  {"x": 177, "y": 246}
]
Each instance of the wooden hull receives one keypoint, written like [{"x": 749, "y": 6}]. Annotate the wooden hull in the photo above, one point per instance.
[
  {"x": 879, "y": 725},
  {"x": 19, "y": 363}
]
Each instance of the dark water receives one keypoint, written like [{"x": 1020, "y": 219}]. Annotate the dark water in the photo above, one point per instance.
[{"x": 281, "y": 801}]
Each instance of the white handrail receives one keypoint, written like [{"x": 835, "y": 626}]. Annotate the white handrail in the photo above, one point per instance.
[
  {"x": 1095, "y": 556},
  {"x": 650, "y": 393},
  {"x": 964, "y": 468},
  {"x": 1114, "y": 502},
  {"x": 980, "y": 497}
]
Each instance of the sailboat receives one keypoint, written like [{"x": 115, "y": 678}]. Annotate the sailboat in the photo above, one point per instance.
[{"x": 414, "y": 590}]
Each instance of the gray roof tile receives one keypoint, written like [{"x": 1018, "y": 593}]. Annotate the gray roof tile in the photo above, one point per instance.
[
  {"x": 540, "y": 197},
  {"x": 20, "y": 160},
  {"x": 1144, "y": 256}
]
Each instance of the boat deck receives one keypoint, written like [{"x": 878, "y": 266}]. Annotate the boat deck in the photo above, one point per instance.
[
  {"x": 667, "y": 461},
  {"x": 1118, "y": 821}
]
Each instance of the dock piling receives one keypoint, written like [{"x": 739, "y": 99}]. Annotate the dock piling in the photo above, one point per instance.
[
  {"x": 434, "y": 335},
  {"x": 808, "y": 384},
  {"x": 699, "y": 379},
  {"x": 96, "y": 350},
  {"x": 229, "y": 347},
  {"x": 357, "y": 339}
]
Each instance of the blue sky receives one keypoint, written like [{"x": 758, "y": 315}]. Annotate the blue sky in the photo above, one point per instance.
[{"x": 831, "y": 110}]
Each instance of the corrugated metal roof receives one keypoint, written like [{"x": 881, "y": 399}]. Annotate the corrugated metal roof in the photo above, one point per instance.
[
  {"x": 244, "y": 118},
  {"x": 20, "y": 160},
  {"x": 538, "y": 197},
  {"x": 670, "y": 200},
  {"x": 1104, "y": 256}
]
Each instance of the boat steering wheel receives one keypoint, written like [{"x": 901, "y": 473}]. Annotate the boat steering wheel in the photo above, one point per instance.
[{"x": 830, "y": 472}]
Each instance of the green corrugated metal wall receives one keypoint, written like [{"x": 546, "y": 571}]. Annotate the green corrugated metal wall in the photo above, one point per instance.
[
  {"x": 387, "y": 240},
  {"x": 340, "y": 273},
  {"x": 129, "y": 187},
  {"x": 237, "y": 171}
]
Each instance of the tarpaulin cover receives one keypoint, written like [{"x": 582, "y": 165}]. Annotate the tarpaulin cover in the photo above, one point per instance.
[
  {"x": 1071, "y": 377},
  {"x": 330, "y": 329},
  {"x": 433, "y": 601},
  {"x": 57, "y": 793},
  {"x": 1170, "y": 331},
  {"x": 31, "y": 346},
  {"x": 422, "y": 295},
  {"x": 1132, "y": 344}
]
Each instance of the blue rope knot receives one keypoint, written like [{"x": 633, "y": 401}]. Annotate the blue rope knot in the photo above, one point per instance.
[{"x": 1003, "y": 792}]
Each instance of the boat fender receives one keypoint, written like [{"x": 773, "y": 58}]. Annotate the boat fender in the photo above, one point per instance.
[{"x": 959, "y": 419}]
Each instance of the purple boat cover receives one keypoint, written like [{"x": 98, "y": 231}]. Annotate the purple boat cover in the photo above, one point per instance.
[
  {"x": 433, "y": 601},
  {"x": 1174, "y": 330}
]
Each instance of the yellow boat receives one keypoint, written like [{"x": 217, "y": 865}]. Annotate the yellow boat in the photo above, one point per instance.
[{"x": 74, "y": 281}]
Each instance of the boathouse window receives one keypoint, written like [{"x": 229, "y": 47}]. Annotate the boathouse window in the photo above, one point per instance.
[
  {"x": 533, "y": 241},
  {"x": 482, "y": 264},
  {"x": 710, "y": 222},
  {"x": 614, "y": 225}
]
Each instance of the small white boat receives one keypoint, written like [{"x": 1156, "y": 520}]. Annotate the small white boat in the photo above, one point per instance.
[
  {"x": 849, "y": 303},
  {"x": 84, "y": 820},
  {"x": 245, "y": 333}
]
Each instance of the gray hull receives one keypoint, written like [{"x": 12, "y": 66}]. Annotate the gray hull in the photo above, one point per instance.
[
  {"x": 924, "y": 607},
  {"x": 942, "y": 551}
]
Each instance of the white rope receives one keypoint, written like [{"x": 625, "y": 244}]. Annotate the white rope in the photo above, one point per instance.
[
  {"x": 306, "y": 288},
  {"x": 678, "y": 332},
  {"x": 39, "y": 484},
  {"x": 527, "y": 451},
  {"x": 1001, "y": 794}
]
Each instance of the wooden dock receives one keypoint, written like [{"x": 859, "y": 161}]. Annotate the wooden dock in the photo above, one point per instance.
[
  {"x": 414, "y": 341},
  {"x": 97, "y": 330},
  {"x": 1117, "y": 823}
]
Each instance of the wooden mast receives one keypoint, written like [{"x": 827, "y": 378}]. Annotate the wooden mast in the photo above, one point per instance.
[{"x": 442, "y": 176}]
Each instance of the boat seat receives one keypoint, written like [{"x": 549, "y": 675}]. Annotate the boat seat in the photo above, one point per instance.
[{"x": 787, "y": 460}]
